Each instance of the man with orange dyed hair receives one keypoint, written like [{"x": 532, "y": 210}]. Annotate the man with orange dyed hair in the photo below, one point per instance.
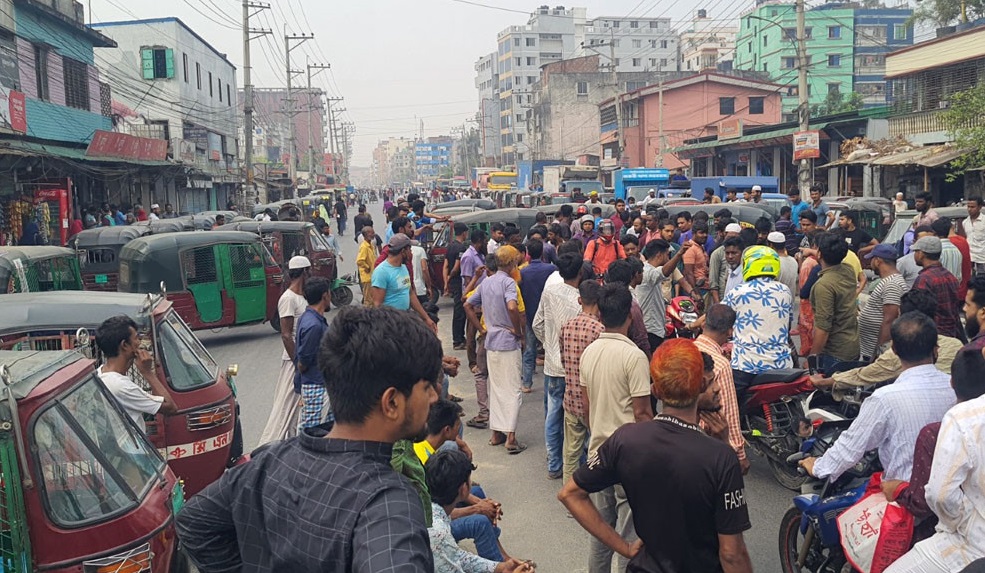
[{"x": 685, "y": 488}]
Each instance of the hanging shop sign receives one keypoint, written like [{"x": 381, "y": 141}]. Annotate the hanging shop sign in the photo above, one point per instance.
[
  {"x": 806, "y": 145},
  {"x": 729, "y": 129},
  {"x": 112, "y": 145}
]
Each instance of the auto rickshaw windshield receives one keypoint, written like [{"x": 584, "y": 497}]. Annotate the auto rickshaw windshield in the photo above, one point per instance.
[
  {"x": 95, "y": 464},
  {"x": 188, "y": 363}
]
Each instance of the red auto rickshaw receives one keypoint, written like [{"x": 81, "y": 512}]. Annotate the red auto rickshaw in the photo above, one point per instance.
[
  {"x": 205, "y": 436},
  {"x": 82, "y": 489}
]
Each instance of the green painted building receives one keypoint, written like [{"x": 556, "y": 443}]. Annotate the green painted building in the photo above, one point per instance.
[{"x": 846, "y": 49}]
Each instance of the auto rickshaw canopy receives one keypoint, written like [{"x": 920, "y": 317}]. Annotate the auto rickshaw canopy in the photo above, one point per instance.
[
  {"x": 30, "y": 257},
  {"x": 39, "y": 311},
  {"x": 108, "y": 236},
  {"x": 29, "y": 368}
]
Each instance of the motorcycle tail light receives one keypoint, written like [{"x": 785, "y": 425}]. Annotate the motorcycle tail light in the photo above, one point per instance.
[
  {"x": 817, "y": 423},
  {"x": 137, "y": 560}
]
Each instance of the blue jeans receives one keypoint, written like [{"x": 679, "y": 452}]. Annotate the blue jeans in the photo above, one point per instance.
[
  {"x": 826, "y": 363},
  {"x": 480, "y": 530},
  {"x": 529, "y": 357},
  {"x": 554, "y": 422}
]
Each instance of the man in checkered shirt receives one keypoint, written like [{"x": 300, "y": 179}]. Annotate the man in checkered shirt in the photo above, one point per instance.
[{"x": 331, "y": 502}]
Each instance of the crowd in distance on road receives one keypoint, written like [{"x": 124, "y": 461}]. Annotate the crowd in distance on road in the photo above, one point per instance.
[{"x": 643, "y": 429}]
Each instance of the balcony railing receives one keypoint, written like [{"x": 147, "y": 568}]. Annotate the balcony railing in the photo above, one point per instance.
[{"x": 916, "y": 122}]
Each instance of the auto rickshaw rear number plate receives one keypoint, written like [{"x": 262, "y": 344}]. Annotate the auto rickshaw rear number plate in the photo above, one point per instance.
[{"x": 101, "y": 279}]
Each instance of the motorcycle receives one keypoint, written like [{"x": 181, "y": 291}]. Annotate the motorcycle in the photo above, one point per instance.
[
  {"x": 680, "y": 312},
  {"x": 341, "y": 295},
  {"x": 782, "y": 409},
  {"x": 809, "y": 539}
]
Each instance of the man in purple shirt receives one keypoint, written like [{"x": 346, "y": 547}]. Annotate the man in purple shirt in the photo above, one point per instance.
[
  {"x": 472, "y": 260},
  {"x": 497, "y": 295},
  {"x": 533, "y": 277}
]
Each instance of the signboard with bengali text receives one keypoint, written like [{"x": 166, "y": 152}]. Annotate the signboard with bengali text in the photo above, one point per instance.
[{"x": 806, "y": 145}]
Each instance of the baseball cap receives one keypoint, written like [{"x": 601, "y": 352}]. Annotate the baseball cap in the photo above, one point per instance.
[
  {"x": 398, "y": 242},
  {"x": 930, "y": 245},
  {"x": 733, "y": 228},
  {"x": 887, "y": 252},
  {"x": 757, "y": 188},
  {"x": 776, "y": 237},
  {"x": 298, "y": 262}
]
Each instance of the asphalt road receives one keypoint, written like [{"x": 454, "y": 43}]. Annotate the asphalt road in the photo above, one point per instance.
[{"x": 535, "y": 525}]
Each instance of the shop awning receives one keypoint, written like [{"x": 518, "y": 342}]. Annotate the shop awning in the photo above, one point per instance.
[
  {"x": 33, "y": 149},
  {"x": 942, "y": 156}
]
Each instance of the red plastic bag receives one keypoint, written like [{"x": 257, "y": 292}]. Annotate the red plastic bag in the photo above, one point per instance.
[{"x": 875, "y": 532}]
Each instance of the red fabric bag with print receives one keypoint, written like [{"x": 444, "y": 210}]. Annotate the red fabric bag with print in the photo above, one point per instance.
[{"x": 875, "y": 532}]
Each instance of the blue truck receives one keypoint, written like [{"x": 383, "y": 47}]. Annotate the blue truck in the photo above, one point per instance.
[
  {"x": 637, "y": 182},
  {"x": 530, "y": 173},
  {"x": 722, "y": 184}
]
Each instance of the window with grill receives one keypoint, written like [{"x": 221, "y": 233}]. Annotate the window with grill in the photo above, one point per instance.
[
  {"x": 581, "y": 88},
  {"x": 76, "y": 76}
]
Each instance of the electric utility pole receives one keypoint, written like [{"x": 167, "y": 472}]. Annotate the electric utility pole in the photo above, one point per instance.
[
  {"x": 291, "y": 144},
  {"x": 331, "y": 131},
  {"x": 312, "y": 107},
  {"x": 804, "y": 109},
  {"x": 249, "y": 34},
  {"x": 620, "y": 141}
]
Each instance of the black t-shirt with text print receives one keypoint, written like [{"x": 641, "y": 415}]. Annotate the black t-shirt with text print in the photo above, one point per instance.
[{"x": 684, "y": 487}]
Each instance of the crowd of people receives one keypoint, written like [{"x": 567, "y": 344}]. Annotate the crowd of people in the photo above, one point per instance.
[{"x": 633, "y": 419}]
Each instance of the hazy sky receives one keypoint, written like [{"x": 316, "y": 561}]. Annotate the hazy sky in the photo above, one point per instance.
[{"x": 392, "y": 60}]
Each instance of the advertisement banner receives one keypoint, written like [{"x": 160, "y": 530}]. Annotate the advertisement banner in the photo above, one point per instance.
[
  {"x": 114, "y": 145},
  {"x": 806, "y": 145},
  {"x": 729, "y": 129}
]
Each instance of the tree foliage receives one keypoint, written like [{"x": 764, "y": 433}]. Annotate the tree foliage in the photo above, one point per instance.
[
  {"x": 942, "y": 13},
  {"x": 963, "y": 120},
  {"x": 836, "y": 103}
]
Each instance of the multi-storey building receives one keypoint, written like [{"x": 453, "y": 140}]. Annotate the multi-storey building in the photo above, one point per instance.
[
  {"x": 432, "y": 156},
  {"x": 636, "y": 44},
  {"x": 487, "y": 82},
  {"x": 846, "y": 47},
  {"x": 707, "y": 44},
  {"x": 174, "y": 85},
  {"x": 563, "y": 121},
  {"x": 559, "y": 33}
]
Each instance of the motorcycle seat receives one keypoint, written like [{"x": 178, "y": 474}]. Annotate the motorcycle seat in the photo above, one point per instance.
[{"x": 778, "y": 376}]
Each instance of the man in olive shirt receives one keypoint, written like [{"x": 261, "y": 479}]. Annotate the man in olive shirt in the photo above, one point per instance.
[
  {"x": 835, "y": 306},
  {"x": 887, "y": 366}
]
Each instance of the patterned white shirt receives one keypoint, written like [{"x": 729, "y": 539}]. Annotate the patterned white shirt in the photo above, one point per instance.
[
  {"x": 761, "y": 336},
  {"x": 558, "y": 305},
  {"x": 448, "y": 556},
  {"x": 956, "y": 489},
  {"x": 889, "y": 421}
]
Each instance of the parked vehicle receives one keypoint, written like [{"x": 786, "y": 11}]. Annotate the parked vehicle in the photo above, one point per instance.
[
  {"x": 39, "y": 269},
  {"x": 809, "y": 539},
  {"x": 501, "y": 181},
  {"x": 98, "y": 250},
  {"x": 205, "y": 436},
  {"x": 176, "y": 225},
  {"x": 82, "y": 489},
  {"x": 745, "y": 214},
  {"x": 286, "y": 239},
  {"x": 638, "y": 182},
  {"x": 476, "y": 204},
  {"x": 524, "y": 219},
  {"x": 904, "y": 222},
  {"x": 214, "y": 279}
]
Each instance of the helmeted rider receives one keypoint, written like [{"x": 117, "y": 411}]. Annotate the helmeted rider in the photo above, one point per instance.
[
  {"x": 604, "y": 249},
  {"x": 763, "y": 308}
]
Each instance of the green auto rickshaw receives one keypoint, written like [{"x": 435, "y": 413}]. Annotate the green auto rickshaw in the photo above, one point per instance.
[{"x": 38, "y": 269}]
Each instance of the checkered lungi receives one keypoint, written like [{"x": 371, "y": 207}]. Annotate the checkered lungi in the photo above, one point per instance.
[{"x": 314, "y": 406}]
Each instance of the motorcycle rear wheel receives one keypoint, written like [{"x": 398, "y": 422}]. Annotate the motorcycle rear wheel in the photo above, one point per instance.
[{"x": 786, "y": 476}]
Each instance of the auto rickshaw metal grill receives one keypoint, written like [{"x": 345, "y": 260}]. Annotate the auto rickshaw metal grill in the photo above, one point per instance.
[
  {"x": 46, "y": 275},
  {"x": 15, "y": 545}
]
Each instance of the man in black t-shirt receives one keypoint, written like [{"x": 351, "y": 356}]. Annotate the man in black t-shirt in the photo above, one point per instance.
[
  {"x": 858, "y": 240},
  {"x": 362, "y": 219},
  {"x": 453, "y": 283},
  {"x": 684, "y": 487}
]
